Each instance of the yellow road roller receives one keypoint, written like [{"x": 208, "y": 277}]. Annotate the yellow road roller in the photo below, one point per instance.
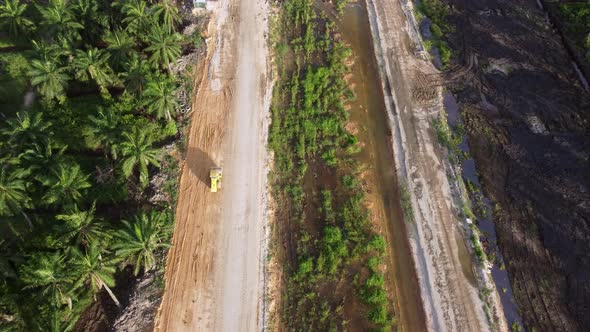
[{"x": 215, "y": 175}]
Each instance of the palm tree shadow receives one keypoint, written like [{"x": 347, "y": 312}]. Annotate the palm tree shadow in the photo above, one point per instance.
[{"x": 199, "y": 163}]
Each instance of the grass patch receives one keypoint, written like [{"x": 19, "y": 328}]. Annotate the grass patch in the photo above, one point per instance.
[
  {"x": 576, "y": 17},
  {"x": 437, "y": 12},
  {"x": 477, "y": 247},
  {"x": 406, "y": 201},
  {"x": 449, "y": 137}
]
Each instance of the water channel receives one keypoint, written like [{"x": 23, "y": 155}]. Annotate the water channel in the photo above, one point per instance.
[
  {"x": 485, "y": 224},
  {"x": 368, "y": 113}
]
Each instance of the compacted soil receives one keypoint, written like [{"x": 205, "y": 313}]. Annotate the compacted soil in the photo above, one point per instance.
[
  {"x": 214, "y": 274},
  {"x": 527, "y": 117}
]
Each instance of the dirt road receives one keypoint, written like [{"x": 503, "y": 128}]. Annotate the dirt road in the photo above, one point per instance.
[
  {"x": 451, "y": 300},
  {"x": 214, "y": 279}
]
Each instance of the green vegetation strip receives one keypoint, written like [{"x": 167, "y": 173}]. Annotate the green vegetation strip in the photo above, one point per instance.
[
  {"x": 576, "y": 16},
  {"x": 88, "y": 99},
  {"x": 334, "y": 260},
  {"x": 437, "y": 13}
]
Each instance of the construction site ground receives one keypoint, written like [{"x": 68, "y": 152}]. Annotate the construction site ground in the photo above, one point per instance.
[
  {"x": 215, "y": 268},
  {"x": 214, "y": 276}
]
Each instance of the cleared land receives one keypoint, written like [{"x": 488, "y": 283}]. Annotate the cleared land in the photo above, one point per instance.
[{"x": 214, "y": 277}]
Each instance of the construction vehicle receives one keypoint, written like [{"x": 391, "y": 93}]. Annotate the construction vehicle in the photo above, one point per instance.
[{"x": 215, "y": 175}]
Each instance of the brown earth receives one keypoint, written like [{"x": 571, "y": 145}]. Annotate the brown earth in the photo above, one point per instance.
[
  {"x": 369, "y": 122},
  {"x": 527, "y": 118}
]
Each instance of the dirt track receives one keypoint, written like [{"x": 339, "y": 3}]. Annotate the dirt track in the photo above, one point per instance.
[
  {"x": 451, "y": 302},
  {"x": 214, "y": 278}
]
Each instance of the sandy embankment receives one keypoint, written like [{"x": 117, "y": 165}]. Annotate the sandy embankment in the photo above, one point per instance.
[{"x": 451, "y": 301}]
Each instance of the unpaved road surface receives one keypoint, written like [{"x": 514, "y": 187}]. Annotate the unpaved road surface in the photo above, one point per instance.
[
  {"x": 214, "y": 279},
  {"x": 451, "y": 300}
]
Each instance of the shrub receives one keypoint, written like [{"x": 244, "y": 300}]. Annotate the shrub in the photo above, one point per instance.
[
  {"x": 377, "y": 243},
  {"x": 378, "y": 315}
]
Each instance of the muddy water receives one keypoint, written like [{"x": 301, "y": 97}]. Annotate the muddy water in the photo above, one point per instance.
[
  {"x": 485, "y": 225},
  {"x": 369, "y": 115}
]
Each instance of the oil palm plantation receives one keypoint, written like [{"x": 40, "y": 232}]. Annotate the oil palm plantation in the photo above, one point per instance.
[
  {"x": 95, "y": 270},
  {"x": 12, "y": 16},
  {"x": 160, "y": 98},
  {"x": 50, "y": 79},
  {"x": 65, "y": 185},
  {"x": 93, "y": 65},
  {"x": 164, "y": 47},
  {"x": 137, "y": 152},
  {"x": 137, "y": 241}
]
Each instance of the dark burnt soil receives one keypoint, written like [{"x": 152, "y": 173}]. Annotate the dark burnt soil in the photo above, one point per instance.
[
  {"x": 101, "y": 314},
  {"x": 140, "y": 298},
  {"x": 528, "y": 120}
]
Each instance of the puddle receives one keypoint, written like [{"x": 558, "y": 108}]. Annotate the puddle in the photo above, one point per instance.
[
  {"x": 485, "y": 225},
  {"x": 369, "y": 114},
  {"x": 465, "y": 259}
]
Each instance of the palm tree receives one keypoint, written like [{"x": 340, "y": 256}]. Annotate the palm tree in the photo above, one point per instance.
[
  {"x": 14, "y": 197},
  {"x": 95, "y": 270},
  {"x": 12, "y": 16},
  {"x": 49, "y": 273},
  {"x": 121, "y": 44},
  {"x": 53, "y": 320},
  {"x": 160, "y": 98},
  {"x": 136, "y": 150},
  {"x": 137, "y": 16},
  {"x": 107, "y": 128},
  {"x": 164, "y": 47},
  {"x": 83, "y": 226},
  {"x": 138, "y": 241},
  {"x": 43, "y": 154},
  {"x": 65, "y": 184},
  {"x": 50, "y": 80},
  {"x": 94, "y": 22},
  {"x": 25, "y": 129},
  {"x": 51, "y": 52},
  {"x": 93, "y": 65},
  {"x": 136, "y": 74},
  {"x": 167, "y": 12},
  {"x": 59, "y": 20},
  {"x": 9, "y": 258}
]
